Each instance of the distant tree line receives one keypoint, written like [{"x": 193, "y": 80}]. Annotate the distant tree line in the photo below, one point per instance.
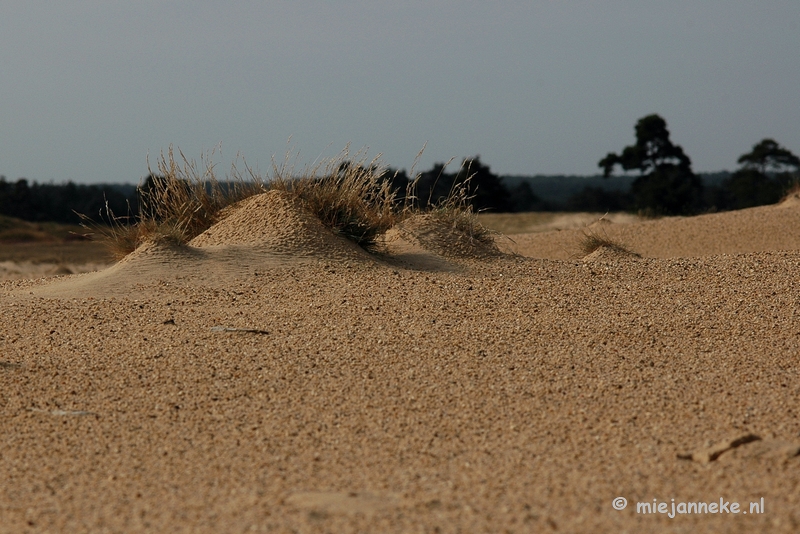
[
  {"x": 61, "y": 202},
  {"x": 483, "y": 189},
  {"x": 666, "y": 184},
  {"x": 663, "y": 184}
]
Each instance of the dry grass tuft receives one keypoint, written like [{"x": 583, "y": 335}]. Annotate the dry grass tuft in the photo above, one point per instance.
[
  {"x": 178, "y": 202},
  {"x": 123, "y": 238},
  {"x": 455, "y": 211},
  {"x": 350, "y": 196},
  {"x": 184, "y": 200},
  {"x": 592, "y": 241}
]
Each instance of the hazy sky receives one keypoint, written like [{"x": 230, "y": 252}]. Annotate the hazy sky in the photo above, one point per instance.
[{"x": 89, "y": 89}]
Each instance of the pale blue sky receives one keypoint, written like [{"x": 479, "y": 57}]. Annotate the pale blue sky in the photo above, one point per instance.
[{"x": 89, "y": 89}]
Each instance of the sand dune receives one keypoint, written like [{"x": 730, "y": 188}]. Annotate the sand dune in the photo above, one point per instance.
[
  {"x": 50, "y": 258},
  {"x": 761, "y": 229},
  {"x": 272, "y": 377}
]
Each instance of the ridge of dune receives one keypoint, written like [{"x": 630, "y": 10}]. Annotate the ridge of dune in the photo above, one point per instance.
[
  {"x": 154, "y": 262},
  {"x": 160, "y": 250},
  {"x": 792, "y": 200},
  {"x": 759, "y": 229}
]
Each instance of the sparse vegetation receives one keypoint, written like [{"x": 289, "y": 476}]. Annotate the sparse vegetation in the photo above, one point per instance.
[
  {"x": 453, "y": 208},
  {"x": 593, "y": 240},
  {"x": 354, "y": 197},
  {"x": 176, "y": 204},
  {"x": 183, "y": 200},
  {"x": 457, "y": 212}
]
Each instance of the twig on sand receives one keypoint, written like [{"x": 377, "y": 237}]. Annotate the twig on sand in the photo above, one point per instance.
[{"x": 220, "y": 328}]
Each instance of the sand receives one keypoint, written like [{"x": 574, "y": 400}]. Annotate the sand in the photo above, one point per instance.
[
  {"x": 272, "y": 377},
  {"x": 51, "y": 258}
]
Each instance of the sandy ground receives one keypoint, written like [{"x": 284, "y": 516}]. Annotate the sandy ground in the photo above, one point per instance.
[
  {"x": 275, "y": 378},
  {"x": 546, "y": 221},
  {"x": 40, "y": 259}
]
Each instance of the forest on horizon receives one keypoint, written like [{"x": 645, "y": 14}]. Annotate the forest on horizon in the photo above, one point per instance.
[
  {"x": 48, "y": 202},
  {"x": 657, "y": 180}
]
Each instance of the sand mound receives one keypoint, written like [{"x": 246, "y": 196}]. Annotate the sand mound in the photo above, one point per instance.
[
  {"x": 441, "y": 238},
  {"x": 278, "y": 222},
  {"x": 261, "y": 232},
  {"x": 160, "y": 250},
  {"x": 610, "y": 253},
  {"x": 408, "y": 254},
  {"x": 792, "y": 200}
]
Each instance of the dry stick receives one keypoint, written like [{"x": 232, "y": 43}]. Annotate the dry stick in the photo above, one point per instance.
[{"x": 220, "y": 328}]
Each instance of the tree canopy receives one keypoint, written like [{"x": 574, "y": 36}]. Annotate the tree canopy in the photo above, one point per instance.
[
  {"x": 769, "y": 156},
  {"x": 666, "y": 184},
  {"x": 653, "y": 150},
  {"x": 764, "y": 177}
]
